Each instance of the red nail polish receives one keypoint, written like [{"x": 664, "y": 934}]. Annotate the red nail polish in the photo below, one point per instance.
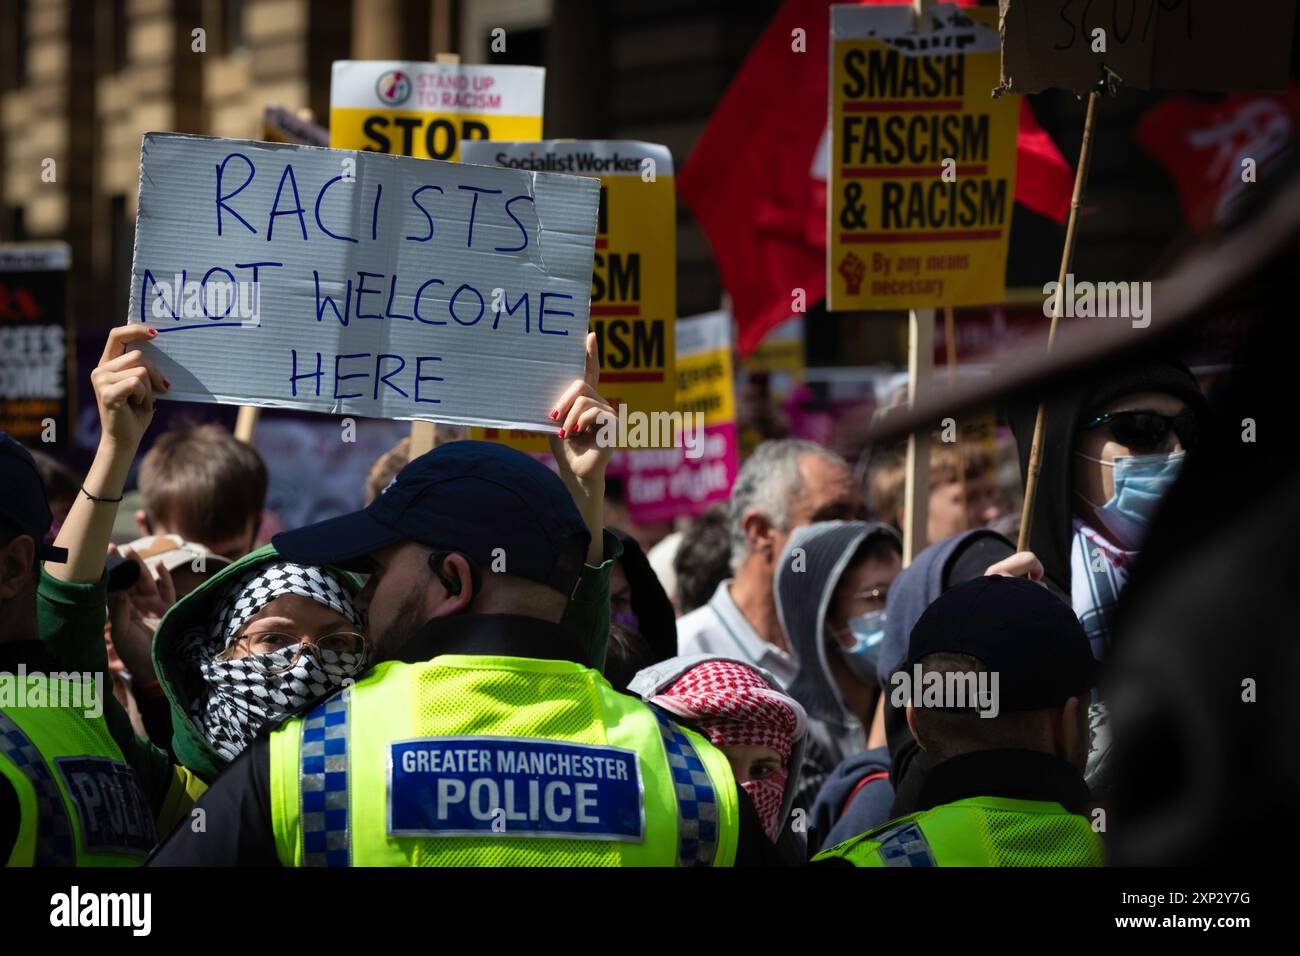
[
  {"x": 153, "y": 331},
  {"x": 167, "y": 384},
  {"x": 561, "y": 432},
  {"x": 555, "y": 414}
]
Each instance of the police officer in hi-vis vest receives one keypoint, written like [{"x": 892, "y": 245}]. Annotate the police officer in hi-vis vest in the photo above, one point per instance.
[
  {"x": 481, "y": 737},
  {"x": 997, "y": 680},
  {"x": 67, "y": 796}
]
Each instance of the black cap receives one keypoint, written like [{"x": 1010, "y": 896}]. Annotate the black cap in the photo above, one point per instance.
[
  {"x": 1019, "y": 630},
  {"x": 468, "y": 496},
  {"x": 22, "y": 504}
]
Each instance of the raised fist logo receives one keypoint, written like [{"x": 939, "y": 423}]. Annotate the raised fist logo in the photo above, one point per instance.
[{"x": 853, "y": 269}]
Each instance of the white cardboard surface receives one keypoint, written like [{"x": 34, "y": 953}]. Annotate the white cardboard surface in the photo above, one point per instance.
[{"x": 533, "y": 235}]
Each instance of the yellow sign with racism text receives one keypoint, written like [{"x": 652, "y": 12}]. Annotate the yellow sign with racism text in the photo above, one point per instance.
[
  {"x": 429, "y": 110},
  {"x": 634, "y": 275},
  {"x": 923, "y": 159}
]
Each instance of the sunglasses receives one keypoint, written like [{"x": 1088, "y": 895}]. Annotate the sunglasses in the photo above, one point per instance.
[{"x": 1148, "y": 431}]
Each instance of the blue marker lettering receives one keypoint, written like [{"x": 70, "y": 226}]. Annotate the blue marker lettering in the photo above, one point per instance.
[
  {"x": 320, "y": 225},
  {"x": 294, "y": 376},
  {"x": 176, "y": 295},
  {"x": 510, "y": 310},
  {"x": 522, "y": 231},
  {"x": 320, "y": 304},
  {"x": 203, "y": 292},
  {"x": 343, "y": 378},
  {"x": 255, "y": 266},
  {"x": 415, "y": 199},
  {"x": 221, "y": 199},
  {"x": 469, "y": 238},
  {"x": 544, "y": 312},
  {"x": 379, "y": 364},
  {"x": 419, "y": 292},
  {"x": 362, "y": 290},
  {"x": 451, "y": 306},
  {"x": 419, "y": 363},
  {"x": 388, "y": 309},
  {"x": 297, "y": 209}
]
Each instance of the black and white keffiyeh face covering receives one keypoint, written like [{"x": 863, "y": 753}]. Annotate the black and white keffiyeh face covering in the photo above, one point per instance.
[{"x": 242, "y": 696}]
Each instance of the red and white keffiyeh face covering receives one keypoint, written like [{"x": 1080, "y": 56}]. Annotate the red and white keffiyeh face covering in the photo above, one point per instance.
[{"x": 731, "y": 704}]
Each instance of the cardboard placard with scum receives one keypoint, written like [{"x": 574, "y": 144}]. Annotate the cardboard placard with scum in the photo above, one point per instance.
[
  {"x": 634, "y": 279},
  {"x": 428, "y": 110},
  {"x": 923, "y": 159},
  {"x": 1202, "y": 45}
]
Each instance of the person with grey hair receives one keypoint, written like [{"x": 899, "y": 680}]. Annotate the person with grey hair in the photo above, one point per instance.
[{"x": 783, "y": 485}]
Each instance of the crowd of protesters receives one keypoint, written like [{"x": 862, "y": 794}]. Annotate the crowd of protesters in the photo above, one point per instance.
[{"x": 786, "y": 691}]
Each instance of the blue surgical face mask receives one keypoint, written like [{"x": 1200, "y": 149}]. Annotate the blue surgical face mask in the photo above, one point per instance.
[
  {"x": 868, "y": 631},
  {"x": 1141, "y": 481}
]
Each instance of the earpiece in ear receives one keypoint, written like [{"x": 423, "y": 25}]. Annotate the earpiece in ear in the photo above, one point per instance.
[{"x": 452, "y": 582}]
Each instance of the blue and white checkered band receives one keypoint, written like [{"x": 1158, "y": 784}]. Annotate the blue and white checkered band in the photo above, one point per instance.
[
  {"x": 905, "y": 845},
  {"x": 54, "y": 844},
  {"x": 697, "y": 804},
  {"x": 323, "y": 785}
]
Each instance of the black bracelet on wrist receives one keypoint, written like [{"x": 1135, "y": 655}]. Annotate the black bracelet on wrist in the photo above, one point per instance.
[{"x": 95, "y": 498}]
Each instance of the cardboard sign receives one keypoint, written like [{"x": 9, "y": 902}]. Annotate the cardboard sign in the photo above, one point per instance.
[
  {"x": 359, "y": 283},
  {"x": 634, "y": 281},
  {"x": 663, "y": 484},
  {"x": 923, "y": 159},
  {"x": 428, "y": 110},
  {"x": 1148, "y": 44},
  {"x": 35, "y": 357}
]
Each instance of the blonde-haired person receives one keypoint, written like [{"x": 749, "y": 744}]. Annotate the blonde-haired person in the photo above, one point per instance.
[{"x": 886, "y": 477}]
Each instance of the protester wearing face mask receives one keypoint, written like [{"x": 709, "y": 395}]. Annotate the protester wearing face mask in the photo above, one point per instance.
[
  {"x": 745, "y": 714},
  {"x": 639, "y": 603},
  {"x": 831, "y": 585},
  {"x": 285, "y": 636},
  {"x": 1112, "y": 452}
]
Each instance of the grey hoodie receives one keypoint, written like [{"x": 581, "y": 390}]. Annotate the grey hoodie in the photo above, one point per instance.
[{"x": 803, "y": 587}]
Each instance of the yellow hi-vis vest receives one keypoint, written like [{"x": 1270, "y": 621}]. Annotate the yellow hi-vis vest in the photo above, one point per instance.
[
  {"x": 978, "y": 831},
  {"x": 497, "y": 761},
  {"x": 79, "y": 803}
]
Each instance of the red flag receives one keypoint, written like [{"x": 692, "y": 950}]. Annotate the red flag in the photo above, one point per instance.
[
  {"x": 750, "y": 182},
  {"x": 1204, "y": 145}
]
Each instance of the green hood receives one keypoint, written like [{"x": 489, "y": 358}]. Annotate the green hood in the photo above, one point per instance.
[{"x": 181, "y": 682}]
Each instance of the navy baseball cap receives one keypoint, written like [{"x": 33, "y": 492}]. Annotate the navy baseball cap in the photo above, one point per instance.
[
  {"x": 473, "y": 497},
  {"x": 1017, "y": 628},
  {"x": 23, "y": 507}
]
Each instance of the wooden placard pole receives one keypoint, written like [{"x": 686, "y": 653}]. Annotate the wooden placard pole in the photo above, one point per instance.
[
  {"x": 1067, "y": 259},
  {"x": 950, "y": 346},
  {"x": 246, "y": 423},
  {"x": 916, "y": 488},
  {"x": 424, "y": 434},
  {"x": 920, "y": 366}
]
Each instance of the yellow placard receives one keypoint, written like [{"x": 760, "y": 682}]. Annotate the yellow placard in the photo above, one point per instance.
[
  {"x": 428, "y": 110},
  {"x": 634, "y": 276},
  {"x": 706, "y": 383},
  {"x": 922, "y": 160}
]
